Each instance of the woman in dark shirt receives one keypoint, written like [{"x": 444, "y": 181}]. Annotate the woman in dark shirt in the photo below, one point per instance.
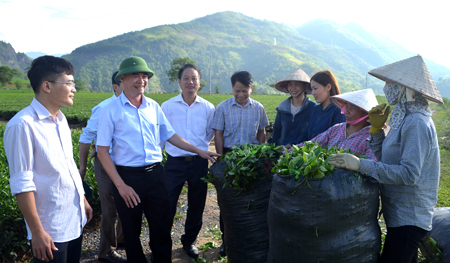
[
  {"x": 326, "y": 114},
  {"x": 293, "y": 113}
]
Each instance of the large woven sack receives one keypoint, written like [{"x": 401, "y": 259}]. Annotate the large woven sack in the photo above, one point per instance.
[
  {"x": 332, "y": 219},
  {"x": 244, "y": 216},
  {"x": 440, "y": 232}
]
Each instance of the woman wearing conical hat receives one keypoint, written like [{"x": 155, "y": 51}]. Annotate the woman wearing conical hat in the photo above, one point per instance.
[
  {"x": 293, "y": 114},
  {"x": 353, "y": 133},
  {"x": 409, "y": 162},
  {"x": 326, "y": 114}
]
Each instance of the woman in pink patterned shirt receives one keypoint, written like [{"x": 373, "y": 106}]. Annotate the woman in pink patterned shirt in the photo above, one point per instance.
[{"x": 354, "y": 132}]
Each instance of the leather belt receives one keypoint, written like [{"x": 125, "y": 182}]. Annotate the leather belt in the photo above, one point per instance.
[
  {"x": 147, "y": 169},
  {"x": 189, "y": 158}
]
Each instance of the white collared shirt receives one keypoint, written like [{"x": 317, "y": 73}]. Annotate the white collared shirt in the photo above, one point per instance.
[
  {"x": 134, "y": 133},
  {"x": 193, "y": 123},
  {"x": 40, "y": 157}
]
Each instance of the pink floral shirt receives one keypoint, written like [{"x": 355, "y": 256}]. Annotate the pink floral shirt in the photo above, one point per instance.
[{"x": 335, "y": 136}]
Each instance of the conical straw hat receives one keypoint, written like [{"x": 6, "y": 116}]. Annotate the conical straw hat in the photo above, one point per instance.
[
  {"x": 411, "y": 73},
  {"x": 297, "y": 75},
  {"x": 365, "y": 99}
]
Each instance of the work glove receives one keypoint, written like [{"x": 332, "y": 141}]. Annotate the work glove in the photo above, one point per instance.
[
  {"x": 378, "y": 117},
  {"x": 345, "y": 160}
]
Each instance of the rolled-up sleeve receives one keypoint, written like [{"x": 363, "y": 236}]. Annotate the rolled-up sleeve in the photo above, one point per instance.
[{"x": 18, "y": 145}]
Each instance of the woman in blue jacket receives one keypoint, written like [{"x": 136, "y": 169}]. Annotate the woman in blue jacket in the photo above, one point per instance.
[
  {"x": 326, "y": 114},
  {"x": 293, "y": 114}
]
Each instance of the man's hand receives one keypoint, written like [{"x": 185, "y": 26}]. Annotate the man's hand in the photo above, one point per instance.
[
  {"x": 378, "y": 117},
  {"x": 94, "y": 152},
  {"x": 208, "y": 155},
  {"x": 129, "y": 195},
  {"x": 288, "y": 146},
  {"x": 88, "y": 210},
  {"x": 345, "y": 160},
  {"x": 42, "y": 244}
]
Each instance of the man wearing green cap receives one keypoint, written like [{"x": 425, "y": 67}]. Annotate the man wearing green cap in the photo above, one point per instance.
[{"x": 135, "y": 126}]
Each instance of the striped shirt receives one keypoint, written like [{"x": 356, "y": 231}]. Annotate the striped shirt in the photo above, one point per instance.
[
  {"x": 40, "y": 158},
  {"x": 336, "y": 137},
  {"x": 239, "y": 124}
]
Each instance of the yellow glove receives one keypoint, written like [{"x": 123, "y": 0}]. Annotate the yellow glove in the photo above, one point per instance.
[
  {"x": 345, "y": 160},
  {"x": 378, "y": 117}
]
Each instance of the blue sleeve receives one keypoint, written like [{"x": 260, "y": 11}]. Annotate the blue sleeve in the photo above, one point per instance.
[
  {"x": 338, "y": 118},
  {"x": 219, "y": 122},
  {"x": 90, "y": 131},
  {"x": 263, "y": 121}
]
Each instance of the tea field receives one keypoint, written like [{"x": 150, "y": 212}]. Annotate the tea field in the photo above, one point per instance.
[{"x": 14, "y": 247}]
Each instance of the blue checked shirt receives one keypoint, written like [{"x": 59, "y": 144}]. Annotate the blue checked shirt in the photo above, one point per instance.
[{"x": 239, "y": 124}]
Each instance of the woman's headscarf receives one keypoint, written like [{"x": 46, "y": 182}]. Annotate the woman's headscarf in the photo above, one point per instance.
[{"x": 397, "y": 94}]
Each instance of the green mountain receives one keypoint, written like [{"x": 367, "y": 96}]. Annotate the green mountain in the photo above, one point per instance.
[
  {"x": 10, "y": 58},
  {"x": 225, "y": 42}
]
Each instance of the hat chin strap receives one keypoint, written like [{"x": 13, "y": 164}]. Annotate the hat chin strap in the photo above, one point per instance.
[
  {"x": 300, "y": 93},
  {"x": 358, "y": 120},
  {"x": 355, "y": 121}
]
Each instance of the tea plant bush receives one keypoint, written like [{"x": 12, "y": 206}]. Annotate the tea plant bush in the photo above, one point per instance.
[{"x": 246, "y": 164}]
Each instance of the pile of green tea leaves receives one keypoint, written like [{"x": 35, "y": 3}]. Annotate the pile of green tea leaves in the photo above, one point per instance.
[
  {"x": 247, "y": 163},
  {"x": 310, "y": 161}
]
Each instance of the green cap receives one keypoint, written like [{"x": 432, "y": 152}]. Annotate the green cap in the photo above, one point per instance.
[{"x": 133, "y": 65}]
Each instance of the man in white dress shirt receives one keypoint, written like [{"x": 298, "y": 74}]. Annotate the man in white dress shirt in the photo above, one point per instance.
[
  {"x": 110, "y": 232},
  {"x": 43, "y": 174},
  {"x": 191, "y": 117}
]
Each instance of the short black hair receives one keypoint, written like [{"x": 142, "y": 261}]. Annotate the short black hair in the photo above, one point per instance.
[
  {"x": 189, "y": 65},
  {"x": 113, "y": 79},
  {"x": 48, "y": 68},
  {"x": 243, "y": 77}
]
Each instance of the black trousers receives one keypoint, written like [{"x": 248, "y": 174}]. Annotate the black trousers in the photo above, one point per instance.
[
  {"x": 68, "y": 252},
  {"x": 151, "y": 188},
  {"x": 178, "y": 171},
  {"x": 401, "y": 244}
]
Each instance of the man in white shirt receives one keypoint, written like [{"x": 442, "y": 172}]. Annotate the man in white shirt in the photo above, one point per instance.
[
  {"x": 43, "y": 174},
  {"x": 191, "y": 117},
  {"x": 110, "y": 232}
]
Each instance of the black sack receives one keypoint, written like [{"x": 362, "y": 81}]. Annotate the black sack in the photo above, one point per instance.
[
  {"x": 244, "y": 216},
  {"x": 440, "y": 232},
  {"x": 332, "y": 219}
]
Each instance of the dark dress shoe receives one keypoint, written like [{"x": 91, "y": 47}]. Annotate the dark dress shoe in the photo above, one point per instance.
[
  {"x": 191, "y": 251},
  {"x": 121, "y": 246},
  {"x": 114, "y": 257},
  {"x": 223, "y": 250}
]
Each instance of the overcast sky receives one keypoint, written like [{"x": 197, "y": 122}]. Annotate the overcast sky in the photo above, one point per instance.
[{"x": 55, "y": 26}]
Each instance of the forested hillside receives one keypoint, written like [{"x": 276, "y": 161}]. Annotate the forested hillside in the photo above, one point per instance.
[
  {"x": 223, "y": 42},
  {"x": 9, "y": 57}
]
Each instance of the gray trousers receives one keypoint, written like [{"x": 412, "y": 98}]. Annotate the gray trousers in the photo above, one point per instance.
[{"x": 110, "y": 232}]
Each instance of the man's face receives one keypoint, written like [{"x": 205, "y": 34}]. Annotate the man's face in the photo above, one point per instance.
[
  {"x": 241, "y": 93},
  {"x": 62, "y": 93},
  {"x": 134, "y": 84},
  {"x": 118, "y": 88},
  {"x": 189, "y": 82}
]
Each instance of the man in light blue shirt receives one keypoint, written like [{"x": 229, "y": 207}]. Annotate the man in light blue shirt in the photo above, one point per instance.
[
  {"x": 135, "y": 126},
  {"x": 110, "y": 232},
  {"x": 191, "y": 117}
]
